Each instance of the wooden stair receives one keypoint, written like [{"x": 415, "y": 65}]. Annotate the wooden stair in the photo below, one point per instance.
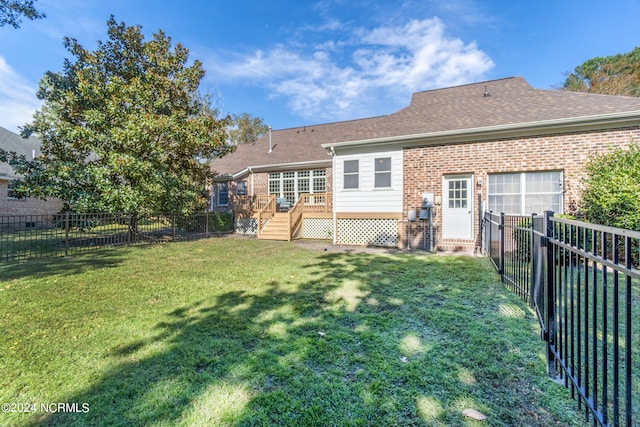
[{"x": 277, "y": 228}]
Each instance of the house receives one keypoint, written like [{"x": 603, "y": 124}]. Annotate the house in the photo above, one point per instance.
[
  {"x": 499, "y": 145},
  {"x": 9, "y": 203}
]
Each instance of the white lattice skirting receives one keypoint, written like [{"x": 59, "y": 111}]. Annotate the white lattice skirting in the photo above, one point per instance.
[
  {"x": 371, "y": 232},
  {"x": 317, "y": 228},
  {"x": 246, "y": 226}
]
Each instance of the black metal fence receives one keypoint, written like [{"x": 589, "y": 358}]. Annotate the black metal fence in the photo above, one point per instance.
[
  {"x": 35, "y": 236},
  {"x": 583, "y": 281}
]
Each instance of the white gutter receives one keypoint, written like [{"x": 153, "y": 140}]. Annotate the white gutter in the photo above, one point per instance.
[
  {"x": 252, "y": 183},
  {"x": 274, "y": 167},
  {"x": 629, "y": 118}
]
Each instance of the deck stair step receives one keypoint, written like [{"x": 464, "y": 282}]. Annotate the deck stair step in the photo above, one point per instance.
[{"x": 277, "y": 228}]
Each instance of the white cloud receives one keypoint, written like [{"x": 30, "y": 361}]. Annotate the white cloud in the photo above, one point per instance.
[
  {"x": 363, "y": 75},
  {"x": 18, "y": 101}
]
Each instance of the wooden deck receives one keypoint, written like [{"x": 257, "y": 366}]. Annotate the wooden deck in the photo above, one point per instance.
[{"x": 275, "y": 225}]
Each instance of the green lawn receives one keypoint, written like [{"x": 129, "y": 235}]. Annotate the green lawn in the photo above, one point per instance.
[{"x": 243, "y": 332}]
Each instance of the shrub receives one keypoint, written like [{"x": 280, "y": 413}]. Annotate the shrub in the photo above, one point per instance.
[
  {"x": 218, "y": 221},
  {"x": 611, "y": 195}
]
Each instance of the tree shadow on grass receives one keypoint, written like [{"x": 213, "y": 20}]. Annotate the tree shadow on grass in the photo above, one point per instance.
[
  {"x": 369, "y": 340},
  {"x": 65, "y": 266}
]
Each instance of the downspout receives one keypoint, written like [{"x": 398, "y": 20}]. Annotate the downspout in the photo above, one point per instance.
[
  {"x": 332, "y": 152},
  {"x": 251, "y": 172}
]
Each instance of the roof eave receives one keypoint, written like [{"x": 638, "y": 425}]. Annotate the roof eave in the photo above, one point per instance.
[
  {"x": 274, "y": 168},
  {"x": 576, "y": 124}
]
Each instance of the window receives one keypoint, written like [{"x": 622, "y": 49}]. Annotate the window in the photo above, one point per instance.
[
  {"x": 223, "y": 194},
  {"x": 303, "y": 182},
  {"x": 457, "y": 194},
  {"x": 383, "y": 172},
  {"x": 11, "y": 191},
  {"x": 291, "y": 185},
  {"x": 319, "y": 181},
  {"x": 241, "y": 189},
  {"x": 525, "y": 193},
  {"x": 274, "y": 183},
  {"x": 351, "y": 169}
]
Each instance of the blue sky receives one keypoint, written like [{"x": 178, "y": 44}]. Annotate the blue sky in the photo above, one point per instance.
[{"x": 305, "y": 62}]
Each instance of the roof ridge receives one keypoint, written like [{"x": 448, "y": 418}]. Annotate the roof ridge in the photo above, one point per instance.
[
  {"x": 331, "y": 123},
  {"x": 472, "y": 84}
]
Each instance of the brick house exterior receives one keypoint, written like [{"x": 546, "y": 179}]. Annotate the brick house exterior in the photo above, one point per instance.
[
  {"x": 566, "y": 153},
  {"x": 9, "y": 205},
  {"x": 285, "y": 150},
  {"x": 499, "y": 145}
]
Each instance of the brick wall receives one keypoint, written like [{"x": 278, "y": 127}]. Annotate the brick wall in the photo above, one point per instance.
[
  {"x": 424, "y": 167},
  {"x": 28, "y": 206}
]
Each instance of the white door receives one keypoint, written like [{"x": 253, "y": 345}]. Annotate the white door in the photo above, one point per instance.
[{"x": 457, "y": 207}]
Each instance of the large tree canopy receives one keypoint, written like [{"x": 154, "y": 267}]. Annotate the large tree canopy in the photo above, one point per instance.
[
  {"x": 12, "y": 10},
  {"x": 245, "y": 128},
  {"x": 611, "y": 75},
  {"x": 123, "y": 128}
]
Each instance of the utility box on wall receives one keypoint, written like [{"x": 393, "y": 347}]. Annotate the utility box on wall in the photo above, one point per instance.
[{"x": 427, "y": 200}]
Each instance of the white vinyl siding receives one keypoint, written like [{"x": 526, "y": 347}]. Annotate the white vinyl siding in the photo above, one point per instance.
[
  {"x": 369, "y": 197},
  {"x": 525, "y": 193}
]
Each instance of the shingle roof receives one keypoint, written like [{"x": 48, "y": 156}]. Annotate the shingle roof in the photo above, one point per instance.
[
  {"x": 294, "y": 145},
  {"x": 508, "y": 101},
  {"x": 10, "y": 141}
]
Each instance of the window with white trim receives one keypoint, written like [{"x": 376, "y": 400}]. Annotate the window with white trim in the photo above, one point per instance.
[
  {"x": 351, "y": 174},
  {"x": 319, "y": 181},
  {"x": 525, "y": 193},
  {"x": 241, "y": 188},
  {"x": 382, "y": 172},
  {"x": 291, "y": 185},
  {"x": 223, "y": 194}
]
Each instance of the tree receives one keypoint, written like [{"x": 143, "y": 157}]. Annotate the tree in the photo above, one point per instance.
[
  {"x": 123, "y": 128},
  {"x": 611, "y": 195},
  {"x": 611, "y": 75},
  {"x": 12, "y": 10},
  {"x": 245, "y": 128}
]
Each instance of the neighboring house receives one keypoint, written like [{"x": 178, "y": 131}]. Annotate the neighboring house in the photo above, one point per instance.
[
  {"x": 9, "y": 203},
  {"x": 498, "y": 145}
]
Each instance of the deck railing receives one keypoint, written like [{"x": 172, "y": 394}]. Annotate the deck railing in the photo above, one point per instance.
[
  {"x": 266, "y": 212},
  {"x": 249, "y": 203},
  {"x": 311, "y": 202},
  {"x": 317, "y": 202}
]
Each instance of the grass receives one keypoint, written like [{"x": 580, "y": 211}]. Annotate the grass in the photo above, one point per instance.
[{"x": 246, "y": 332}]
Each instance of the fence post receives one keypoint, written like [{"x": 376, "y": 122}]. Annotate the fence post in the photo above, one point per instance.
[
  {"x": 489, "y": 226},
  {"x": 173, "y": 225},
  {"x": 206, "y": 225},
  {"x": 532, "y": 261},
  {"x": 550, "y": 295},
  {"x": 66, "y": 234},
  {"x": 501, "y": 228}
]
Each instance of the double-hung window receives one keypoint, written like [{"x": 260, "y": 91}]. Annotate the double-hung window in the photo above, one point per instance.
[
  {"x": 223, "y": 194},
  {"x": 12, "y": 194},
  {"x": 241, "y": 189},
  {"x": 351, "y": 174},
  {"x": 525, "y": 193},
  {"x": 383, "y": 172}
]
